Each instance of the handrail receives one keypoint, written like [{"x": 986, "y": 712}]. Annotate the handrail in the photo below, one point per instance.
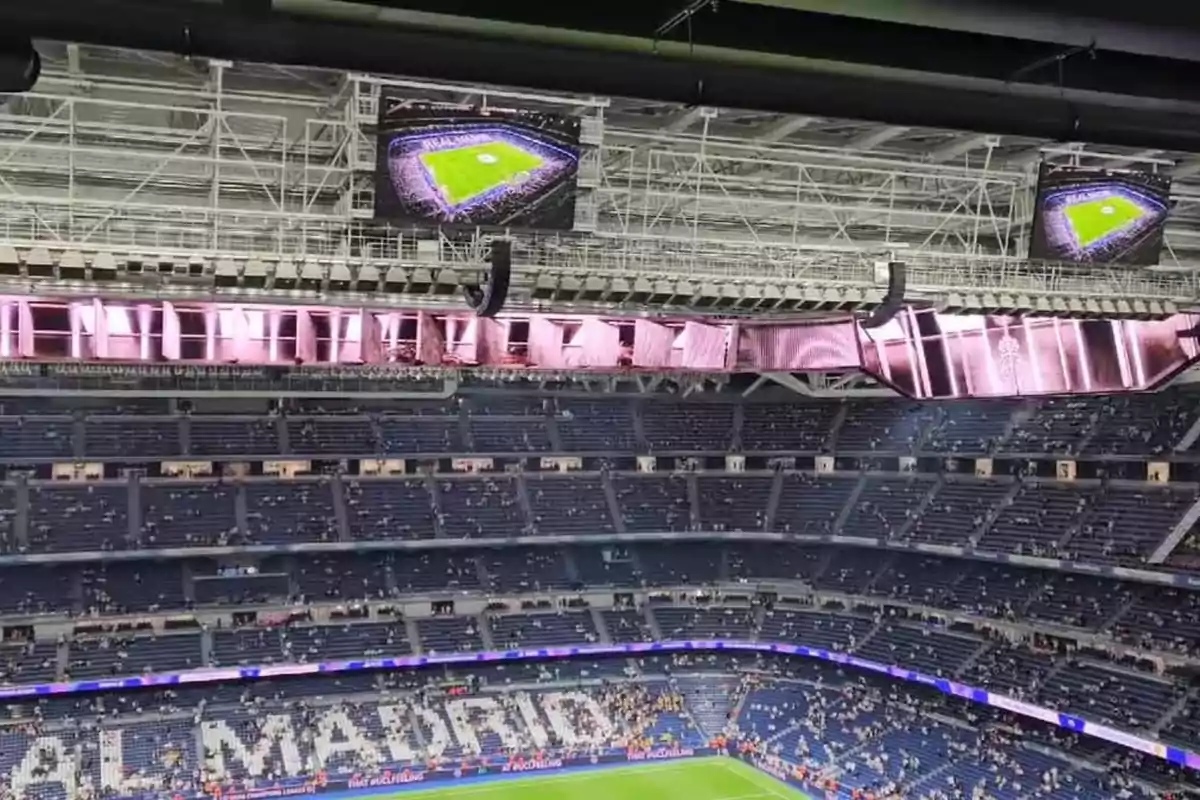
[{"x": 1070, "y": 722}]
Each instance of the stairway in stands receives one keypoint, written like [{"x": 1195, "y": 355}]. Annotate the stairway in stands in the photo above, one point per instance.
[{"x": 709, "y": 699}]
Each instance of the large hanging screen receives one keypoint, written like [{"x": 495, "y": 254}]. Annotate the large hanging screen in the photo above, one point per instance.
[
  {"x": 456, "y": 165},
  {"x": 1093, "y": 216}
]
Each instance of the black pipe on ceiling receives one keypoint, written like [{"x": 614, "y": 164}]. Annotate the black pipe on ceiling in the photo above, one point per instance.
[
  {"x": 823, "y": 31},
  {"x": 210, "y": 31}
]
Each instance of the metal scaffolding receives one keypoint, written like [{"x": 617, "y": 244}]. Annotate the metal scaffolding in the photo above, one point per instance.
[{"x": 184, "y": 165}]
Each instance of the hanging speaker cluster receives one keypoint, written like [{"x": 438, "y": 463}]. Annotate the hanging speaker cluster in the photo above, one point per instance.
[
  {"x": 20, "y": 64},
  {"x": 893, "y": 301},
  {"x": 488, "y": 300}
]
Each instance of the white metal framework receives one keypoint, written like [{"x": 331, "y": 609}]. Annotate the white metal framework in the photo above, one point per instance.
[{"x": 191, "y": 167}]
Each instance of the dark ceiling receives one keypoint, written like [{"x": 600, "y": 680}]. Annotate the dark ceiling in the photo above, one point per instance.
[{"x": 918, "y": 71}]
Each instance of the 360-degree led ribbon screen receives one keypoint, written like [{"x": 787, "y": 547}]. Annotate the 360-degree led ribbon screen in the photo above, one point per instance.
[{"x": 930, "y": 355}]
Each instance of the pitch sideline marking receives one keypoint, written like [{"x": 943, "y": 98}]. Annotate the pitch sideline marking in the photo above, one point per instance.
[{"x": 771, "y": 791}]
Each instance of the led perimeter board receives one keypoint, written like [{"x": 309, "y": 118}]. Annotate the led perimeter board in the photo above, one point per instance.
[
  {"x": 456, "y": 165},
  {"x": 1093, "y": 216}
]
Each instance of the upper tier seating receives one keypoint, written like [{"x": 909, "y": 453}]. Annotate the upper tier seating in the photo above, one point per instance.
[
  {"x": 24, "y": 438},
  {"x": 599, "y": 425},
  {"x": 178, "y": 514},
  {"x": 734, "y": 504},
  {"x": 131, "y": 437},
  {"x": 883, "y": 425},
  {"x": 509, "y": 426},
  {"x": 215, "y": 436},
  {"x": 378, "y": 509},
  {"x": 1133, "y": 425},
  {"x": 772, "y": 427},
  {"x": 332, "y": 435},
  {"x": 473, "y": 509},
  {"x": 289, "y": 513},
  {"x": 687, "y": 426},
  {"x": 970, "y": 426},
  {"x": 653, "y": 503},
  {"x": 75, "y": 517},
  {"x": 568, "y": 504},
  {"x": 809, "y": 504}
]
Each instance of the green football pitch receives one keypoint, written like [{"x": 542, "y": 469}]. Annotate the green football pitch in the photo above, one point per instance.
[
  {"x": 463, "y": 173},
  {"x": 1095, "y": 219},
  {"x": 688, "y": 779}
]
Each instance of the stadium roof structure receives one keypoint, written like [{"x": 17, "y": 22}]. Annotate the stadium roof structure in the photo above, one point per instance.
[{"x": 174, "y": 177}]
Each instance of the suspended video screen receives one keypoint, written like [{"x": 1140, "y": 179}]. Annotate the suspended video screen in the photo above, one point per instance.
[
  {"x": 454, "y": 165},
  {"x": 925, "y": 354},
  {"x": 1093, "y": 216}
]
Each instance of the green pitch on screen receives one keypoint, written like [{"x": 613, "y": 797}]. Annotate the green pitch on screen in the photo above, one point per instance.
[
  {"x": 463, "y": 173},
  {"x": 688, "y": 779},
  {"x": 1095, "y": 219}
]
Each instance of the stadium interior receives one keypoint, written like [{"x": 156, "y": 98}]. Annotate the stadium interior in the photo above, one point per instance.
[{"x": 288, "y": 506}]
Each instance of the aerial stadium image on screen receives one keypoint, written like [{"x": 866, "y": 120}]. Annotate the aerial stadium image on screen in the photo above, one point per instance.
[
  {"x": 1091, "y": 216},
  {"x": 472, "y": 167}
]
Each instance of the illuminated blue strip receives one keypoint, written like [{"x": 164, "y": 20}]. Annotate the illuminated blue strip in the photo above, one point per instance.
[{"x": 1071, "y": 722}]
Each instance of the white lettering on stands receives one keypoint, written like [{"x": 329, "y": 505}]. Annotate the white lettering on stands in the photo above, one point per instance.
[
  {"x": 533, "y": 722},
  {"x": 338, "y": 735},
  {"x": 46, "y": 762},
  {"x": 556, "y": 705},
  {"x": 276, "y": 731},
  {"x": 396, "y": 727},
  {"x": 437, "y": 735},
  {"x": 112, "y": 761},
  {"x": 490, "y": 717}
]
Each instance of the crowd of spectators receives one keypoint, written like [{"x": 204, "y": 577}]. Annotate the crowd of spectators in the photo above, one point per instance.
[
  {"x": 971, "y": 620},
  {"x": 1147, "y": 425},
  {"x": 1106, "y": 523},
  {"x": 852, "y": 732}
]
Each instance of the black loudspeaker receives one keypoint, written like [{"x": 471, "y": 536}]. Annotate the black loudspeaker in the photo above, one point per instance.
[
  {"x": 488, "y": 300},
  {"x": 893, "y": 301},
  {"x": 20, "y": 64},
  {"x": 897, "y": 279}
]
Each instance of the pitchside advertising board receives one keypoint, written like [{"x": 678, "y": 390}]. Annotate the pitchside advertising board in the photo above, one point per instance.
[
  {"x": 386, "y": 782},
  {"x": 1097, "y": 216},
  {"x": 473, "y": 166}
]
